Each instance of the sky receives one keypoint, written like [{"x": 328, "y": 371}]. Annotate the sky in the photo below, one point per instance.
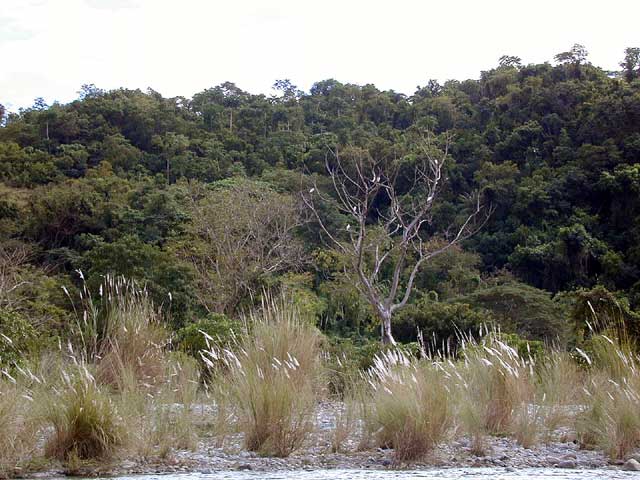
[{"x": 50, "y": 48}]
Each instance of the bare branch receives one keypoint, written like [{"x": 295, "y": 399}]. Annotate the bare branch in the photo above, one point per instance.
[{"x": 394, "y": 236}]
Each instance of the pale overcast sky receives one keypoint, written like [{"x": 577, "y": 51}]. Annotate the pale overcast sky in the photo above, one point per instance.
[{"x": 49, "y": 48}]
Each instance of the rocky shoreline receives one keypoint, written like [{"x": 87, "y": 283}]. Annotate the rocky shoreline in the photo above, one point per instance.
[{"x": 209, "y": 457}]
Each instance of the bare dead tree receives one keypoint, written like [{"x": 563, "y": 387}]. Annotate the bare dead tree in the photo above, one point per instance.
[{"x": 395, "y": 237}]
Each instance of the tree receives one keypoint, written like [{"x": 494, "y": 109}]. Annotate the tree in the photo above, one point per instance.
[
  {"x": 597, "y": 309},
  {"x": 167, "y": 282},
  {"x": 510, "y": 61},
  {"x": 631, "y": 64},
  {"x": 89, "y": 91},
  {"x": 240, "y": 233},
  {"x": 573, "y": 59},
  {"x": 577, "y": 55},
  {"x": 288, "y": 90},
  {"x": 392, "y": 239},
  {"x": 520, "y": 308}
]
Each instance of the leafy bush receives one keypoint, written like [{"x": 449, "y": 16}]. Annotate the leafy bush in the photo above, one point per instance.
[
  {"x": 345, "y": 358},
  {"x": 437, "y": 321},
  {"x": 191, "y": 338},
  {"x": 597, "y": 309},
  {"x": 526, "y": 349},
  {"x": 522, "y": 309},
  {"x": 298, "y": 288},
  {"x": 17, "y": 338}
]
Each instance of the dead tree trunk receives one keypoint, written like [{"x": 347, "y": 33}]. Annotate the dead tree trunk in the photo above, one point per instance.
[{"x": 393, "y": 239}]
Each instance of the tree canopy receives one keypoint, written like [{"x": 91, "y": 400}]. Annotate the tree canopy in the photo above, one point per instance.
[{"x": 200, "y": 198}]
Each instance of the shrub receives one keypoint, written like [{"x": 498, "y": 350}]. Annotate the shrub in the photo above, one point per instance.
[
  {"x": 346, "y": 358},
  {"x": 17, "y": 337},
  {"x": 597, "y": 310},
  {"x": 520, "y": 308},
  {"x": 437, "y": 321},
  {"x": 191, "y": 338},
  {"x": 411, "y": 405},
  {"x": 298, "y": 288},
  {"x": 272, "y": 377},
  {"x": 526, "y": 349}
]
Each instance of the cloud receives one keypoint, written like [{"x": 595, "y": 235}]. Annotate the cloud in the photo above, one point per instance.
[
  {"x": 182, "y": 47},
  {"x": 111, "y": 4},
  {"x": 12, "y": 31},
  {"x": 20, "y": 89}
]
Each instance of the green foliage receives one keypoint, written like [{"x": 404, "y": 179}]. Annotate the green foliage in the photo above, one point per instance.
[
  {"x": 522, "y": 309},
  {"x": 440, "y": 323},
  {"x": 597, "y": 309},
  {"x": 192, "y": 338},
  {"x": 346, "y": 358},
  {"x": 240, "y": 237},
  {"x": 297, "y": 287},
  {"x": 526, "y": 349},
  {"x": 346, "y": 310},
  {"x": 453, "y": 273},
  {"x": 168, "y": 282},
  {"x": 18, "y": 338},
  {"x": 171, "y": 192}
]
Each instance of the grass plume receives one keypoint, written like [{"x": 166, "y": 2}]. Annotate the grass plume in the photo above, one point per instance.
[
  {"x": 410, "y": 402},
  {"x": 273, "y": 378}
]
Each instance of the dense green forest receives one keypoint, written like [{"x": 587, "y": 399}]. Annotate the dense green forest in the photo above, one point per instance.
[{"x": 201, "y": 200}]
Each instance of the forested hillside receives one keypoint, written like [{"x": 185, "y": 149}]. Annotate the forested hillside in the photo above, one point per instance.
[{"x": 200, "y": 200}]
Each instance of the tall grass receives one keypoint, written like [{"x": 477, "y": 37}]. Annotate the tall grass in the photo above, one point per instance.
[
  {"x": 272, "y": 377},
  {"x": 121, "y": 332},
  {"x": 493, "y": 391},
  {"x": 411, "y": 406},
  {"x": 86, "y": 423},
  {"x": 117, "y": 390},
  {"x": 559, "y": 381},
  {"x": 160, "y": 418},
  {"x": 610, "y": 420},
  {"x": 122, "y": 390},
  {"x": 19, "y": 427},
  {"x": 345, "y": 422},
  {"x": 487, "y": 389}
]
